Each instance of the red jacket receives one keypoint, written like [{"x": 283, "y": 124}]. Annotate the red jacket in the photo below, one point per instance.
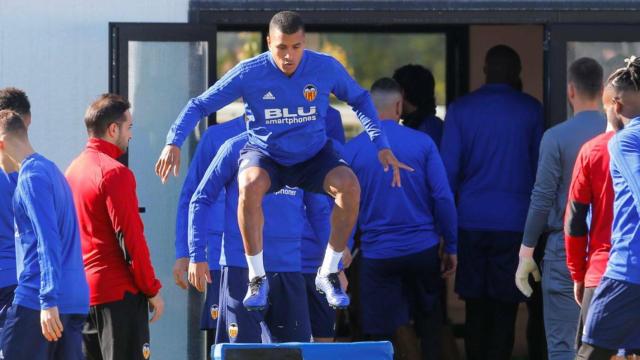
[
  {"x": 114, "y": 250},
  {"x": 591, "y": 186}
]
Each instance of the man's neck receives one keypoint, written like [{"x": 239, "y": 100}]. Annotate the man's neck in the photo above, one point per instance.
[
  {"x": 21, "y": 152},
  {"x": 580, "y": 106},
  {"x": 7, "y": 164}
]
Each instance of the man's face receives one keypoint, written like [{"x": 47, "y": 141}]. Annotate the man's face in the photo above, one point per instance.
[
  {"x": 125, "y": 132},
  {"x": 286, "y": 49}
]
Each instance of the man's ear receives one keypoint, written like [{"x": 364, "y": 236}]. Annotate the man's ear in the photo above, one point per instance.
[
  {"x": 112, "y": 130},
  {"x": 618, "y": 107},
  {"x": 399, "y": 107},
  {"x": 571, "y": 91}
]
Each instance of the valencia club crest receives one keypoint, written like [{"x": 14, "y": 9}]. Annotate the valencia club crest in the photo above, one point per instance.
[{"x": 310, "y": 92}]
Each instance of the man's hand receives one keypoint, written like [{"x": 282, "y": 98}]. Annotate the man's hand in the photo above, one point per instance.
[
  {"x": 199, "y": 275},
  {"x": 387, "y": 159},
  {"x": 156, "y": 305},
  {"x": 169, "y": 159},
  {"x": 578, "y": 292},
  {"x": 448, "y": 265},
  {"x": 346, "y": 258},
  {"x": 526, "y": 266},
  {"x": 50, "y": 324},
  {"x": 179, "y": 269}
]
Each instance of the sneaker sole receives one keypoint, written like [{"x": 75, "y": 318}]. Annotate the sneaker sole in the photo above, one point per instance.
[
  {"x": 335, "y": 307},
  {"x": 254, "y": 308}
]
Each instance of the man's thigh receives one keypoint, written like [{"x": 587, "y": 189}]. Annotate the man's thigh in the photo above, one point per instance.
[
  {"x": 242, "y": 326},
  {"x": 383, "y": 299},
  {"x": 321, "y": 315},
  {"x": 211, "y": 306},
  {"x": 310, "y": 175},
  {"x": 614, "y": 315},
  {"x": 288, "y": 314},
  {"x": 123, "y": 328},
  {"x": 502, "y": 264},
  {"x": 471, "y": 274},
  {"x": 6, "y": 298},
  {"x": 22, "y": 337},
  {"x": 252, "y": 157},
  {"x": 561, "y": 312}
]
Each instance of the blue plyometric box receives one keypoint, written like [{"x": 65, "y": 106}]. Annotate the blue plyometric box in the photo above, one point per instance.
[{"x": 378, "y": 350}]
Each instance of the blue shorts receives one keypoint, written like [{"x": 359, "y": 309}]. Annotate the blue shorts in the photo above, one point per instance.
[
  {"x": 23, "y": 339},
  {"x": 211, "y": 306},
  {"x": 286, "y": 318},
  {"x": 487, "y": 261},
  {"x": 390, "y": 287},
  {"x": 321, "y": 315},
  {"x": 6, "y": 299},
  {"x": 308, "y": 175},
  {"x": 614, "y": 315}
]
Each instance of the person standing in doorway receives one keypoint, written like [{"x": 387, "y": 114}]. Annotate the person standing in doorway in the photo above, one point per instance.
[{"x": 489, "y": 148}]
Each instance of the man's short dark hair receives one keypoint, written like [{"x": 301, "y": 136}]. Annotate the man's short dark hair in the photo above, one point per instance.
[
  {"x": 106, "y": 110},
  {"x": 587, "y": 77},
  {"x": 502, "y": 64},
  {"x": 418, "y": 86},
  {"x": 15, "y": 99},
  {"x": 386, "y": 84},
  {"x": 287, "y": 22},
  {"x": 11, "y": 123}
]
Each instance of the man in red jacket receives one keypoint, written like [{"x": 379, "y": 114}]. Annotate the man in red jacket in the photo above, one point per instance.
[
  {"x": 591, "y": 188},
  {"x": 122, "y": 282}
]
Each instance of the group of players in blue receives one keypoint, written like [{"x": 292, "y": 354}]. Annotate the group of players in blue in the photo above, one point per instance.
[
  {"x": 407, "y": 221},
  {"x": 289, "y": 144},
  {"x": 256, "y": 230}
]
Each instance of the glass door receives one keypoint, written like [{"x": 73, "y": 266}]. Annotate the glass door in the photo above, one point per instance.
[
  {"x": 608, "y": 44},
  {"x": 159, "y": 67}
]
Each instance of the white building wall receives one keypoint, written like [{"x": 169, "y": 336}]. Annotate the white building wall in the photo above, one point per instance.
[{"x": 58, "y": 52}]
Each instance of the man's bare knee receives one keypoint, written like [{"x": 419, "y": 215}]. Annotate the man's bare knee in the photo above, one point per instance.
[
  {"x": 342, "y": 183},
  {"x": 253, "y": 183}
]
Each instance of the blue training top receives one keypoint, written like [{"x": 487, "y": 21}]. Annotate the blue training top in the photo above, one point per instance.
[
  {"x": 8, "y": 275},
  {"x": 49, "y": 257},
  {"x": 207, "y": 148},
  {"x": 403, "y": 220},
  {"x": 490, "y": 150},
  {"x": 289, "y": 112},
  {"x": 284, "y": 217},
  {"x": 624, "y": 257}
]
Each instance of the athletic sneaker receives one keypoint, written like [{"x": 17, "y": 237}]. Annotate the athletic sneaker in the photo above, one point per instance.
[
  {"x": 257, "y": 293},
  {"x": 329, "y": 285}
]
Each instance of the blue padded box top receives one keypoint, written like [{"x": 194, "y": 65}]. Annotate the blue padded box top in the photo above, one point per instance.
[{"x": 371, "y": 350}]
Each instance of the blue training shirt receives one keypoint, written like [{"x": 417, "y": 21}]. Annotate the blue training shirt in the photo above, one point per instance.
[
  {"x": 289, "y": 112},
  {"x": 432, "y": 126},
  {"x": 8, "y": 275},
  {"x": 624, "y": 257},
  {"x": 50, "y": 268},
  {"x": 403, "y": 220},
  {"x": 284, "y": 215},
  {"x": 207, "y": 148},
  {"x": 490, "y": 150}
]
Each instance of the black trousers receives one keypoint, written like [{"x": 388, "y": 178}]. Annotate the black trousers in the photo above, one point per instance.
[
  {"x": 489, "y": 329},
  {"x": 118, "y": 330}
]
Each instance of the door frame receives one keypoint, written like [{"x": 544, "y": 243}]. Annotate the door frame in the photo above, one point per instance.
[{"x": 556, "y": 78}]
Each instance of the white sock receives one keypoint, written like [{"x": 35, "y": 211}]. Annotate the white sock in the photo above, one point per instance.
[
  {"x": 256, "y": 266},
  {"x": 331, "y": 260}
]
